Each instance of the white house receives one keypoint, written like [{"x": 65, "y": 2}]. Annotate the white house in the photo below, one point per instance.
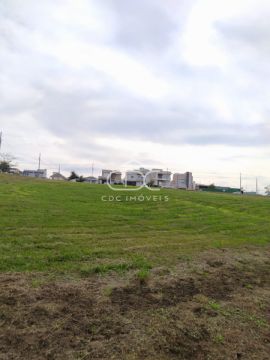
[
  {"x": 154, "y": 177},
  {"x": 14, "y": 170},
  {"x": 40, "y": 173},
  {"x": 113, "y": 176},
  {"x": 135, "y": 177},
  {"x": 160, "y": 178}
]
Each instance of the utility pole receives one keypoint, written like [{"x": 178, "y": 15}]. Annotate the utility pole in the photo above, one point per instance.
[
  {"x": 240, "y": 182},
  {"x": 39, "y": 161},
  {"x": 59, "y": 169},
  {"x": 92, "y": 169},
  {"x": 256, "y": 186}
]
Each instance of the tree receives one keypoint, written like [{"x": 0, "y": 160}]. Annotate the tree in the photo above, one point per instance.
[
  {"x": 73, "y": 176},
  {"x": 5, "y": 162},
  {"x": 80, "y": 179},
  {"x": 4, "y": 166},
  {"x": 267, "y": 190}
]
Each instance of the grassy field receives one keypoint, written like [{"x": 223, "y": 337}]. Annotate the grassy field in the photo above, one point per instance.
[
  {"x": 184, "y": 277},
  {"x": 59, "y": 227}
]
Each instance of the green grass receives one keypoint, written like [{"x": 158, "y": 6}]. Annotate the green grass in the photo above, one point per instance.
[
  {"x": 214, "y": 305},
  {"x": 65, "y": 227}
]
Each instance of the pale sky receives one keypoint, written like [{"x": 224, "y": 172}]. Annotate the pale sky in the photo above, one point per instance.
[{"x": 177, "y": 84}]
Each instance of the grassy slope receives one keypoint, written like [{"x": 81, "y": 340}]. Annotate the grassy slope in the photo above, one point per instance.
[{"x": 50, "y": 226}]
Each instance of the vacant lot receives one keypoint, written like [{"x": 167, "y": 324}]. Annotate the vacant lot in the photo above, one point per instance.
[{"x": 83, "y": 278}]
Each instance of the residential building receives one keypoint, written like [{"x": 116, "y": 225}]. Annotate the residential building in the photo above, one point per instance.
[
  {"x": 159, "y": 177},
  {"x": 111, "y": 176},
  {"x": 183, "y": 181},
  {"x": 154, "y": 177},
  {"x": 91, "y": 180},
  {"x": 40, "y": 173},
  {"x": 14, "y": 171},
  {"x": 58, "y": 177},
  {"x": 104, "y": 177},
  {"x": 135, "y": 177}
]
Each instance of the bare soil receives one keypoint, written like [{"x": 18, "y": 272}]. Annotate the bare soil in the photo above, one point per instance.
[{"x": 216, "y": 306}]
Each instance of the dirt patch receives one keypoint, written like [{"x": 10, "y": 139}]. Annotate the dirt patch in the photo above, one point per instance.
[
  {"x": 142, "y": 297},
  {"x": 218, "y": 285},
  {"x": 215, "y": 307}
]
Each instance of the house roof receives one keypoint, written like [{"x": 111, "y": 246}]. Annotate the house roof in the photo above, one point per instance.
[
  {"x": 57, "y": 175},
  {"x": 90, "y": 178}
]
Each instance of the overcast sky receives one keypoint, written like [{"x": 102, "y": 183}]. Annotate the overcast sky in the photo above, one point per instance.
[{"x": 178, "y": 84}]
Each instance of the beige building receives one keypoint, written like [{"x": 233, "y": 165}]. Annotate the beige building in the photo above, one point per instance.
[{"x": 183, "y": 181}]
